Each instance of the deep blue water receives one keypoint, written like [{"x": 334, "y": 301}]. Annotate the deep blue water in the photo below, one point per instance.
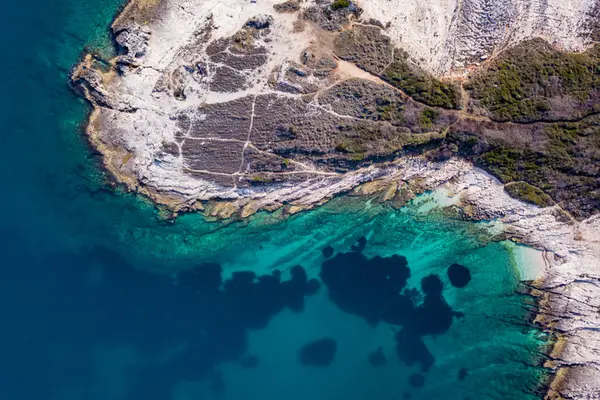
[{"x": 100, "y": 300}]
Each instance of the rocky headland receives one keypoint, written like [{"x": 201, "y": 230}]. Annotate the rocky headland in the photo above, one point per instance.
[{"x": 229, "y": 107}]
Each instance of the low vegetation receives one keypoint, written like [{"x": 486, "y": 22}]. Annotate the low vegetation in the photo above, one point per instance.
[
  {"x": 428, "y": 117},
  {"x": 388, "y": 110},
  {"x": 372, "y": 141},
  {"x": 337, "y": 4},
  {"x": 419, "y": 84},
  {"x": 535, "y": 82},
  {"x": 563, "y": 162},
  {"x": 525, "y": 192},
  {"x": 261, "y": 179}
]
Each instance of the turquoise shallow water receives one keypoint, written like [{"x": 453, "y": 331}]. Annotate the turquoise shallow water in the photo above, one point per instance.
[{"x": 82, "y": 318}]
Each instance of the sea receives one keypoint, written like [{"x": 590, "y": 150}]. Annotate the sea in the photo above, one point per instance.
[{"x": 103, "y": 299}]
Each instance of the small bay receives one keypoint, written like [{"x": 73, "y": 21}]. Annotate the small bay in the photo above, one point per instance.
[{"x": 101, "y": 299}]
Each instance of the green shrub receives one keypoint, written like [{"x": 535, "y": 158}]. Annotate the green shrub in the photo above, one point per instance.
[
  {"x": 525, "y": 192},
  {"x": 428, "y": 117},
  {"x": 337, "y": 4},
  {"x": 519, "y": 85},
  {"x": 419, "y": 84}
]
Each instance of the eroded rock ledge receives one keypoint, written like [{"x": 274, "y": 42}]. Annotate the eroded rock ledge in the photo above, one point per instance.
[{"x": 231, "y": 107}]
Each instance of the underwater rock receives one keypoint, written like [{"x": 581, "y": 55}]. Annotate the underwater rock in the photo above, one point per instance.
[
  {"x": 434, "y": 316},
  {"x": 374, "y": 289},
  {"x": 360, "y": 244},
  {"x": 459, "y": 275},
  {"x": 366, "y": 287},
  {"x": 411, "y": 349},
  {"x": 217, "y": 382},
  {"x": 318, "y": 353},
  {"x": 249, "y": 361},
  {"x": 416, "y": 380},
  {"x": 210, "y": 314},
  {"x": 327, "y": 251},
  {"x": 377, "y": 358}
]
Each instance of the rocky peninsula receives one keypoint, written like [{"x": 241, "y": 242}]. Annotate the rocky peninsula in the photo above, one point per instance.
[{"x": 233, "y": 106}]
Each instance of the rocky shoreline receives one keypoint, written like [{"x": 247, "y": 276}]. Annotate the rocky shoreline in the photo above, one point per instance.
[
  {"x": 569, "y": 287},
  {"x": 568, "y": 292}
]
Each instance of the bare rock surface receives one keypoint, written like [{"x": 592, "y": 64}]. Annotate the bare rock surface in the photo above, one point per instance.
[{"x": 444, "y": 36}]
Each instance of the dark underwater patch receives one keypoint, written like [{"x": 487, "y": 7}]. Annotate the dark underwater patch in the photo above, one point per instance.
[
  {"x": 377, "y": 358},
  {"x": 318, "y": 353},
  {"x": 217, "y": 382},
  {"x": 411, "y": 349},
  {"x": 202, "y": 320},
  {"x": 375, "y": 290},
  {"x": 360, "y": 244},
  {"x": 248, "y": 361},
  {"x": 368, "y": 287},
  {"x": 459, "y": 275},
  {"x": 327, "y": 251},
  {"x": 107, "y": 303},
  {"x": 462, "y": 374},
  {"x": 416, "y": 380}
]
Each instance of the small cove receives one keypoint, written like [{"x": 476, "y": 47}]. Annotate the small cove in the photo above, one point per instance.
[{"x": 85, "y": 319}]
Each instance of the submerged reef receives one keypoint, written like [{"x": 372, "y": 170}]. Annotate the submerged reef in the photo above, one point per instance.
[
  {"x": 217, "y": 325},
  {"x": 198, "y": 321},
  {"x": 318, "y": 353},
  {"x": 248, "y": 361},
  {"x": 377, "y": 358},
  {"x": 459, "y": 275},
  {"x": 375, "y": 290}
]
